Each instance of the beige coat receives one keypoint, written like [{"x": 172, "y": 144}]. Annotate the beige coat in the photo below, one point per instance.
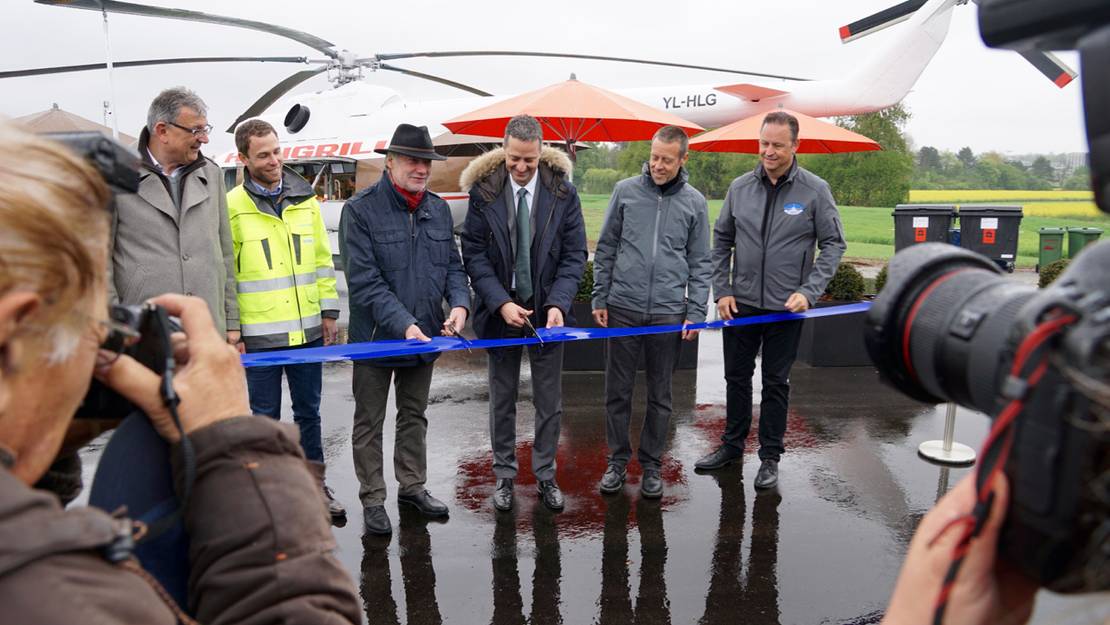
[{"x": 156, "y": 249}]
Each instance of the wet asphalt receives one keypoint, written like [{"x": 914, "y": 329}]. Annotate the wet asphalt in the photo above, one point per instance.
[{"x": 825, "y": 546}]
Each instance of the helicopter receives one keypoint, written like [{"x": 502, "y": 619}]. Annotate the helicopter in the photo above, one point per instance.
[{"x": 329, "y": 136}]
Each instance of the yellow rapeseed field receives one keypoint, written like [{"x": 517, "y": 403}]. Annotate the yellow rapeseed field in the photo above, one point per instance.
[
  {"x": 1053, "y": 204},
  {"x": 957, "y": 196},
  {"x": 1063, "y": 210}
]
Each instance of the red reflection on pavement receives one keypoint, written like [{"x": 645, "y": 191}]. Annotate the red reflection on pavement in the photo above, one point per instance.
[
  {"x": 578, "y": 473},
  {"x": 710, "y": 423}
]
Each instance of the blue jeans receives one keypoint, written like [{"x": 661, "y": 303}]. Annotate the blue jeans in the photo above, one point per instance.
[{"x": 305, "y": 381}]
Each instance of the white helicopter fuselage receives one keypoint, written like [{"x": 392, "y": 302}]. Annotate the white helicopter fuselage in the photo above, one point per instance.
[{"x": 346, "y": 124}]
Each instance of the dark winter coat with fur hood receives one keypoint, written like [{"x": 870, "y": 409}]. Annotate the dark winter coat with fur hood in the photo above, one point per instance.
[{"x": 558, "y": 250}]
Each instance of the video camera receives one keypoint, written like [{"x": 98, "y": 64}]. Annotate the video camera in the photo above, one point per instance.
[
  {"x": 142, "y": 332},
  {"x": 949, "y": 327}
]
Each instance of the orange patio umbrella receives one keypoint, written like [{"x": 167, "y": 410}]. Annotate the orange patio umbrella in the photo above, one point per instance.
[
  {"x": 572, "y": 111},
  {"x": 814, "y": 137}
]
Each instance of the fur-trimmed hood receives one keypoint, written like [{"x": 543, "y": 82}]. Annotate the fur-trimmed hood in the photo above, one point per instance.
[{"x": 488, "y": 172}]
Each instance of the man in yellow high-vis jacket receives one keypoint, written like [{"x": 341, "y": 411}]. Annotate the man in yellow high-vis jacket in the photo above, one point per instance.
[{"x": 286, "y": 282}]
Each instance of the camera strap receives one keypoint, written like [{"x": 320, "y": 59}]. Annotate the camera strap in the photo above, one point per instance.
[
  {"x": 170, "y": 400},
  {"x": 1029, "y": 366}
]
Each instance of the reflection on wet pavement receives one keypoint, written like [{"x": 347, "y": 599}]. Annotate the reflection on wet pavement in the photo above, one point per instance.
[
  {"x": 733, "y": 587},
  {"x": 824, "y": 547}
]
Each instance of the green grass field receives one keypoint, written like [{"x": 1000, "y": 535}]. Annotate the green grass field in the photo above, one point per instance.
[{"x": 870, "y": 230}]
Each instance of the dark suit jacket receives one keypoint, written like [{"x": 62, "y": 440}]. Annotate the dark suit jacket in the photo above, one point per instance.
[{"x": 558, "y": 245}]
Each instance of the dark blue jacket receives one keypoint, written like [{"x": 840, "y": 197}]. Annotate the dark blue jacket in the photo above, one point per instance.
[
  {"x": 558, "y": 247},
  {"x": 400, "y": 267}
]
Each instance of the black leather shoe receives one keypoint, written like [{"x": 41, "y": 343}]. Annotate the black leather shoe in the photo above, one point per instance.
[
  {"x": 721, "y": 457},
  {"x": 376, "y": 520},
  {"x": 551, "y": 495},
  {"x": 426, "y": 504},
  {"x": 768, "y": 474},
  {"x": 336, "y": 511},
  {"x": 613, "y": 480},
  {"x": 651, "y": 485},
  {"x": 503, "y": 495}
]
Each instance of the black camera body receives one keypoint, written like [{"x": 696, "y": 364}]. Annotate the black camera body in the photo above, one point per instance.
[
  {"x": 151, "y": 328},
  {"x": 948, "y": 326}
]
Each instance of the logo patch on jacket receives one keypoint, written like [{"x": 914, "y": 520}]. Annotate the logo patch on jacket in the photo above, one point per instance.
[{"x": 793, "y": 208}]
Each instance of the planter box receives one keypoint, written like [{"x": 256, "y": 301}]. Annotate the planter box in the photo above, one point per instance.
[
  {"x": 584, "y": 355},
  {"x": 834, "y": 341},
  {"x": 591, "y": 355}
]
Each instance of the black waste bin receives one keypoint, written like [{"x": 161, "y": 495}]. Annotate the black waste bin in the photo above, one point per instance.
[
  {"x": 920, "y": 223},
  {"x": 991, "y": 231}
]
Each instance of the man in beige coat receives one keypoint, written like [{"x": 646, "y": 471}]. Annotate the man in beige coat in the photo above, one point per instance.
[{"x": 173, "y": 235}]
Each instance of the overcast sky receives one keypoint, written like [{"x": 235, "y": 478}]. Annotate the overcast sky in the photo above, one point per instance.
[{"x": 969, "y": 95}]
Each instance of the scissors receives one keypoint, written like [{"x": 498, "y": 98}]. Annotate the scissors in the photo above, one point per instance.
[
  {"x": 533, "y": 329},
  {"x": 458, "y": 334}
]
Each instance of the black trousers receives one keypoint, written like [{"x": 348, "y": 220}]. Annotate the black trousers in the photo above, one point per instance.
[{"x": 780, "y": 346}]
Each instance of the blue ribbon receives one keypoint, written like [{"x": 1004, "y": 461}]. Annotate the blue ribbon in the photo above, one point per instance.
[{"x": 384, "y": 349}]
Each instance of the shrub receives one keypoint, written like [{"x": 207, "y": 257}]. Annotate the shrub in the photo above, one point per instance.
[
  {"x": 880, "y": 280},
  {"x": 586, "y": 286},
  {"x": 1052, "y": 270},
  {"x": 600, "y": 180},
  {"x": 847, "y": 284}
]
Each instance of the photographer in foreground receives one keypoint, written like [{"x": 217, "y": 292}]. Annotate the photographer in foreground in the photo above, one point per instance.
[{"x": 251, "y": 478}]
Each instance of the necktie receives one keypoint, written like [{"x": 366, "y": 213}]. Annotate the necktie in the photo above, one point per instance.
[{"x": 523, "y": 265}]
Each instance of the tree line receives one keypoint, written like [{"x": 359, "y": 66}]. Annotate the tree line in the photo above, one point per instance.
[{"x": 881, "y": 178}]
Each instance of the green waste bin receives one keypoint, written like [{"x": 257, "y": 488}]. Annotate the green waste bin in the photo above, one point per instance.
[
  {"x": 1051, "y": 246},
  {"x": 1078, "y": 238}
]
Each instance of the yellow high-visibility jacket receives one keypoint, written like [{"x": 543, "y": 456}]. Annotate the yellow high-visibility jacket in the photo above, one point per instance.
[{"x": 286, "y": 279}]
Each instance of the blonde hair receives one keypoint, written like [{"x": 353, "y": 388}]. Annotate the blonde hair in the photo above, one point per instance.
[{"x": 53, "y": 227}]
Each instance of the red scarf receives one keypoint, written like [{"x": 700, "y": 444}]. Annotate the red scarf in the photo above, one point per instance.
[{"x": 411, "y": 199}]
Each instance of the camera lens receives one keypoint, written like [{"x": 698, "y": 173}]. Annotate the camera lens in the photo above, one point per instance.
[{"x": 938, "y": 331}]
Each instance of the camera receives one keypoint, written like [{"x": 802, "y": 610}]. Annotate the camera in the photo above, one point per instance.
[
  {"x": 948, "y": 327},
  {"x": 142, "y": 332}
]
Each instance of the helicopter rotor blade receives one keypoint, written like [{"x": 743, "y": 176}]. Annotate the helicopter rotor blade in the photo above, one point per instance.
[
  {"x": 275, "y": 93},
  {"x": 129, "y": 8},
  {"x": 442, "y": 81},
  {"x": 559, "y": 55},
  {"x": 61, "y": 69}
]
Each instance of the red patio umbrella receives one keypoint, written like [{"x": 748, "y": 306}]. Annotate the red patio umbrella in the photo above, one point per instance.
[
  {"x": 814, "y": 137},
  {"x": 572, "y": 111}
]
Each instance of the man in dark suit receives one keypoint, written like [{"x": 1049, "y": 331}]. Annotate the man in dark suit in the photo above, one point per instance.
[{"x": 524, "y": 247}]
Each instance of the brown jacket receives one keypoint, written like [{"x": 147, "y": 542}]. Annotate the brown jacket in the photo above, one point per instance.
[
  {"x": 260, "y": 547},
  {"x": 158, "y": 249}
]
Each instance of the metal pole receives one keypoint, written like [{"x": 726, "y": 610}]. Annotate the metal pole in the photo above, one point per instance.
[
  {"x": 949, "y": 426},
  {"x": 947, "y": 451},
  {"x": 111, "y": 76}
]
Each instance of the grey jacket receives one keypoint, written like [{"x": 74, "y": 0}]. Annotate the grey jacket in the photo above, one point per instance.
[
  {"x": 768, "y": 266},
  {"x": 158, "y": 249},
  {"x": 653, "y": 251}
]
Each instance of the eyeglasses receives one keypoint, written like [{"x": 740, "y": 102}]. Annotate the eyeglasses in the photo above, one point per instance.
[{"x": 196, "y": 132}]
